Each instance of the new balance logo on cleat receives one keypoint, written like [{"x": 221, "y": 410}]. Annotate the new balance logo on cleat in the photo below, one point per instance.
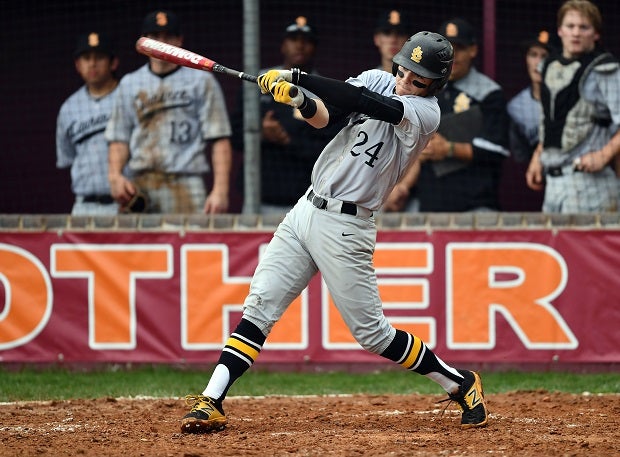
[
  {"x": 470, "y": 399},
  {"x": 204, "y": 416}
]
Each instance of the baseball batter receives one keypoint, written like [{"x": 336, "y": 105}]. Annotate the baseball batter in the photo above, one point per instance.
[
  {"x": 331, "y": 229},
  {"x": 81, "y": 121}
]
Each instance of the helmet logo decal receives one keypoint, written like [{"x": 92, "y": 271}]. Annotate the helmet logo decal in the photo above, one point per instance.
[
  {"x": 461, "y": 103},
  {"x": 161, "y": 19},
  {"x": 93, "y": 40},
  {"x": 416, "y": 54}
]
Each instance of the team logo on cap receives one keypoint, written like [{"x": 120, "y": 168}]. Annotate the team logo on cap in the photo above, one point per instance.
[
  {"x": 452, "y": 30},
  {"x": 161, "y": 19},
  {"x": 93, "y": 40},
  {"x": 543, "y": 36},
  {"x": 394, "y": 17},
  {"x": 416, "y": 54}
]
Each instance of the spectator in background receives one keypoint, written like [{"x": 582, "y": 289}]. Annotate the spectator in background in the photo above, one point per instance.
[
  {"x": 289, "y": 146},
  {"x": 580, "y": 136},
  {"x": 82, "y": 119},
  {"x": 524, "y": 108},
  {"x": 525, "y": 111},
  {"x": 164, "y": 117},
  {"x": 393, "y": 29},
  {"x": 461, "y": 165}
]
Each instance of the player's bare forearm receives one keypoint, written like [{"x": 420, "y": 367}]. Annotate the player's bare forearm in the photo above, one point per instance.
[
  {"x": 321, "y": 117},
  {"x": 120, "y": 187},
  {"x": 397, "y": 199},
  {"x": 221, "y": 162},
  {"x": 612, "y": 152},
  {"x": 411, "y": 175},
  {"x": 462, "y": 151},
  {"x": 400, "y": 194},
  {"x": 118, "y": 155},
  {"x": 534, "y": 173},
  {"x": 595, "y": 161},
  {"x": 440, "y": 148}
]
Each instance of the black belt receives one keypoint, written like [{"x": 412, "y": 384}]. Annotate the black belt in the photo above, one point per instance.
[
  {"x": 554, "y": 171},
  {"x": 558, "y": 171},
  {"x": 102, "y": 199},
  {"x": 321, "y": 203}
]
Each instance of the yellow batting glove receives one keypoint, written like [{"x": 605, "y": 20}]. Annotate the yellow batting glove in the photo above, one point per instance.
[
  {"x": 266, "y": 80},
  {"x": 287, "y": 93}
]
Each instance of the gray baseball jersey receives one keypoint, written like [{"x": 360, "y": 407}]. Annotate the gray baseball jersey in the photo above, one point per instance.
[
  {"x": 80, "y": 143},
  {"x": 166, "y": 120},
  {"x": 365, "y": 160},
  {"x": 524, "y": 111},
  {"x": 360, "y": 165}
]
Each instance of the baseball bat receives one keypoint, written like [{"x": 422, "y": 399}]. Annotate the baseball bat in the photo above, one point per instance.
[{"x": 185, "y": 58}]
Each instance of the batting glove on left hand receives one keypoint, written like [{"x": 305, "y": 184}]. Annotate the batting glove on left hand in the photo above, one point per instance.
[
  {"x": 266, "y": 80},
  {"x": 287, "y": 93}
]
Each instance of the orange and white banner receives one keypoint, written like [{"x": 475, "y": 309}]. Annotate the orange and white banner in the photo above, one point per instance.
[{"x": 473, "y": 296}]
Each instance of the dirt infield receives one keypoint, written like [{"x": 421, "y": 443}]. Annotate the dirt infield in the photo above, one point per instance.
[{"x": 521, "y": 423}]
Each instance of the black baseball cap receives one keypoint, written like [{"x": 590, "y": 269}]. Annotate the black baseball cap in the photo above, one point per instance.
[
  {"x": 458, "y": 31},
  {"x": 393, "y": 21},
  {"x": 161, "y": 21},
  {"x": 93, "y": 41},
  {"x": 301, "y": 26}
]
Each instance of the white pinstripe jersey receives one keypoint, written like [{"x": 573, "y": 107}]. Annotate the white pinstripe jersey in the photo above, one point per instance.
[
  {"x": 366, "y": 159},
  {"x": 80, "y": 143},
  {"x": 167, "y": 120}
]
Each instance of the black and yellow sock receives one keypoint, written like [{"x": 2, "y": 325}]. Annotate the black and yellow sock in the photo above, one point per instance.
[
  {"x": 239, "y": 354},
  {"x": 411, "y": 352}
]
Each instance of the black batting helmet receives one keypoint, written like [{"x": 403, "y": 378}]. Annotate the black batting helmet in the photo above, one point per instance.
[{"x": 427, "y": 54}]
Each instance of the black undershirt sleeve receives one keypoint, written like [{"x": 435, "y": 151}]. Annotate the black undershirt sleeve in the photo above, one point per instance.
[{"x": 352, "y": 99}]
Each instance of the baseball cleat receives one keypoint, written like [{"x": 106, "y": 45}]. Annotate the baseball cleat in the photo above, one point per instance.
[
  {"x": 205, "y": 416},
  {"x": 470, "y": 399}
]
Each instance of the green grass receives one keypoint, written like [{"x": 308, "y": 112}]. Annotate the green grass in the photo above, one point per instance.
[{"x": 164, "y": 381}]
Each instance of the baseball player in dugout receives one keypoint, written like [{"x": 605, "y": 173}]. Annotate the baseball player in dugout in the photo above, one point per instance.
[
  {"x": 461, "y": 165},
  {"x": 390, "y": 119},
  {"x": 165, "y": 119},
  {"x": 580, "y": 135},
  {"x": 524, "y": 113},
  {"x": 82, "y": 119},
  {"x": 524, "y": 108},
  {"x": 289, "y": 146},
  {"x": 392, "y": 30}
]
